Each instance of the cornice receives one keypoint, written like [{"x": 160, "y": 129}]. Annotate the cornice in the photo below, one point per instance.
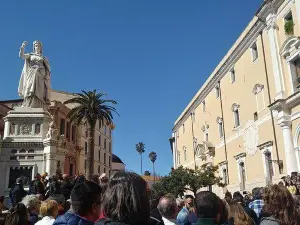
[
  {"x": 225, "y": 67},
  {"x": 5, "y": 144}
]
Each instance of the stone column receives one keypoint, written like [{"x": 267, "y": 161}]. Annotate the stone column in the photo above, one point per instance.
[
  {"x": 50, "y": 149},
  {"x": 290, "y": 154},
  {"x": 6, "y": 129},
  {"x": 275, "y": 56}
]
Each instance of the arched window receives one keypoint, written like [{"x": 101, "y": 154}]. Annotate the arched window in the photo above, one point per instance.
[
  {"x": 31, "y": 151},
  {"x": 37, "y": 128},
  {"x": 235, "y": 109},
  {"x": 22, "y": 151},
  {"x": 184, "y": 154},
  {"x": 13, "y": 151}
]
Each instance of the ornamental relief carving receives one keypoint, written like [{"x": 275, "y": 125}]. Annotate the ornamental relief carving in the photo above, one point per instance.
[{"x": 25, "y": 129}]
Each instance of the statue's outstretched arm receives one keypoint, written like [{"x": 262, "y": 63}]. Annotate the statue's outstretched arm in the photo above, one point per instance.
[{"x": 22, "y": 51}]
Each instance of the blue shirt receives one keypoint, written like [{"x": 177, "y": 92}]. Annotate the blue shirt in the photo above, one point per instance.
[
  {"x": 183, "y": 217},
  {"x": 257, "y": 206}
]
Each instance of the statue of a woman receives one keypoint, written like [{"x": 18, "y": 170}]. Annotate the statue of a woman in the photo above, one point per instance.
[{"x": 34, "y": 85}]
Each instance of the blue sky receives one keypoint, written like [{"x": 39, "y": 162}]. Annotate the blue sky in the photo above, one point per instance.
[{"x": 150, "y": 56}]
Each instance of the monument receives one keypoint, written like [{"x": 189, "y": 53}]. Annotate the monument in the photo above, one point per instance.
[{"x": 29, "y": 144}]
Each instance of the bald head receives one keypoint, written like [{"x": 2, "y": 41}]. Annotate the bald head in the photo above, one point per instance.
[{"x": 167, "y": 207}]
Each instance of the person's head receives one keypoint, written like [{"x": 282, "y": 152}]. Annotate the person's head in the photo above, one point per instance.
[
  {"x": 37, "y": 47},
  {"x": 49, "y": 208},
  {"x": 95, "y": 179},
  {"x": 237, "y": 212},
  {"x": 238, "y": 197},
  {"x": 256, "y": 193},
  {"x": 280, "y": 204},
  {"x": 65, "y": 177},
  {"x": 189, "y": 201},
  {"x": 224, "y": 212},
  {"x": 55, "y": 177},
  {"x": 167, "y": 207},
  {"x": 18, "y": 215},
  {"x": 208, "y": 205},
  {"x": 86, "y": 200},
  {"x": 33, "y": 203},
  {"x": 155, "y": 200},
  {"x": 37, "y": 176},
  {"x": 19, "y": 181},
  {"x": 126, "y": 199},
  {"x": 288, "y": 180},
  {"x": 228, "y": 196}
]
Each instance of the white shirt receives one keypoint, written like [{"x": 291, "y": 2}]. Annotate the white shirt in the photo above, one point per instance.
[
  {"x": 169, "y": 221},
  {"x": 47, "y": 220}
]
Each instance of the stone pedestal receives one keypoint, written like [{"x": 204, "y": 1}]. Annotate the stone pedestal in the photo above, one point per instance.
[{"x": 50, "y": 149}]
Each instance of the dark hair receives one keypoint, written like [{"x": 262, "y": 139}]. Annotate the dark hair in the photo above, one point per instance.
[
  {"x": 84, "y": 196},
  {"x": 228, "y": 197},
  {"x": 207, "y": 204},
  {"x": 167, "y": 206},
  {"x": 256, "y": 193},
  {"x": 126, "y": 199},
  {"x": 224, "y": 212},
  {"x": 239, "y": 215},
  {"x": 188, "y": 196},
  {"x": 238, "y": 197},
  {"x": 280, "y": 204},
  {"x": 18, "y": 215}
]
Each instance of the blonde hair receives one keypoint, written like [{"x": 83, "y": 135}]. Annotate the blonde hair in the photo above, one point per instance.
[
  {"x": 237, "y": 212},
  {"x": 49, "y": 208}
]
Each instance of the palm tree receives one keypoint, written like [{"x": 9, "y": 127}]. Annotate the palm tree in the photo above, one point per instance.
[
  {"x": 147, "y": 173},
  {"x": 91, "y": 107},
  {"x": 152, "y": 157},
  {"x": 140, "y": 148}
]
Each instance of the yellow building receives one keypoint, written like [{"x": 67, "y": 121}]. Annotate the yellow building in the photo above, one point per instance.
[{"x": 246, "y": 116}]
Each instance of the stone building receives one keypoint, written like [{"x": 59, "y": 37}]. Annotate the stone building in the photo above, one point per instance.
[
  {"x": 23, "y": 149},
  {"x": 246, "y": 116}
]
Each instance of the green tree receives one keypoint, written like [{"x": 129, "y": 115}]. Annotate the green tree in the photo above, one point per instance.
[
  {"x": 153, "y": 157},
  {"x": 91, "y": 107},
  {"x": 140, "y": 148},
  {"x": 147, "y": 173}
]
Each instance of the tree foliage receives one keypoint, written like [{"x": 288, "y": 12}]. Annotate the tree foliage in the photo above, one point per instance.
[
  {"x": 182, "y": 179},
  {"x": 147, "y": 173}
]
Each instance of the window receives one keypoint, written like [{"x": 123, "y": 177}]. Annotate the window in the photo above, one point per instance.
[
  {"x": 203, "y": 106},
  {"x": 289, "y": 24},
  {"x": 99, "y": 169},
  {"x": 104, "y": 158},
  {"x": 225, "y": 176},
  {"x": 99, "y": 141},
  {"x": 85, "y": 148},
  {"x": 104, "y": 170},
  {"x": 236, "y": 114},
  {"x": 184, "y": 153},
  {"x": 30, "y": 157},
  {"x": 254, "y": 52},
  {"x": 12, "y": 128},
  {"x": 109, "y": 161},
  {"x": 255, "y": 116},
  {"x": 206, "y": 136},
  {"x": 269, "y": 166},
  {"x": 37, "y": 128},
  {"x": 242, "y": 175},
  {"x": 232, "y": 76},
  {"x": 13, "y": 158},
  {"x": 68, "y": 130},
  {"x": 220, "y": 126},
  {"x": 296, "y": 73},
  {"x": 14, "y": 151},
  {"x": 110, "y": 146},
  {"x": 99, "y": 124},
  {"x": 86, "y": 133},
  {"x": 22, "y": 151},
  {"x": 31, "y": 151},
  {"x": 217, "y": 89},
  {"x": 62, "y": 126},
  {"x": 22, "y": 157},
  {"x": 85, "y": 165},
  {"x": 105, "y": 130},
  {"x": 99, "y": 155},
  {"x": 105, "y": 144},
  {"x": 73, "y": 134}
]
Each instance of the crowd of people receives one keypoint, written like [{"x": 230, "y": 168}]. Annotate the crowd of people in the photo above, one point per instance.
[{"x": 126, "y": 199}]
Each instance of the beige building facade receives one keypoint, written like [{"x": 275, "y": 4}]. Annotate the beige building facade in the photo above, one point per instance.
[{"x": 246, "y": 116}]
